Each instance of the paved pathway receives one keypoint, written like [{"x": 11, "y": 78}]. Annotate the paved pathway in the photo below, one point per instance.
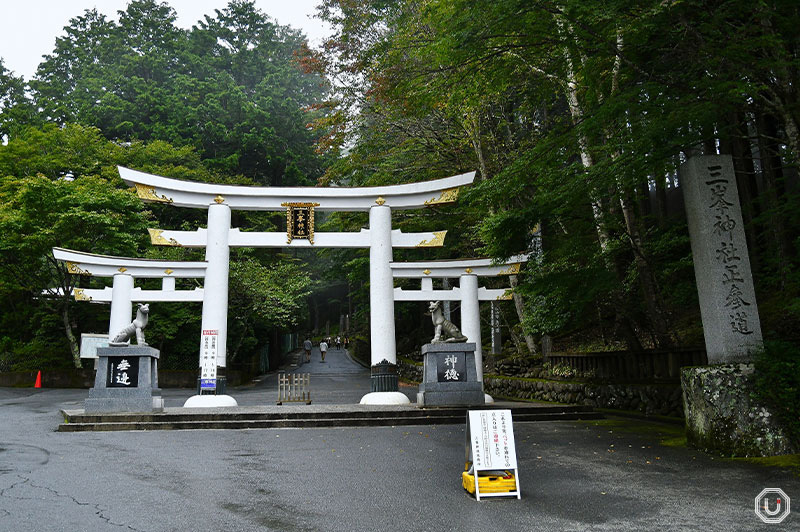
[
  {"x": 338, "y": 380},
  {"x": 575, "y": 476}
]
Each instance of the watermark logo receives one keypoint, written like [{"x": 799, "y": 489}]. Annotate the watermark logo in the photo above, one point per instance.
[{"x": 772, "y": 505}]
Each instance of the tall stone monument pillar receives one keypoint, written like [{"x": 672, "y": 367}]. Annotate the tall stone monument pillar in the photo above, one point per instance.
[
  {"x": 728, "y": 307},
  {"x": 446, "y": 304},
  {"x": 721, "y": 414}
]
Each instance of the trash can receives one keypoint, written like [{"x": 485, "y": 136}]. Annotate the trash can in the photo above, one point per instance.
[{"x": 384, "y": 377}]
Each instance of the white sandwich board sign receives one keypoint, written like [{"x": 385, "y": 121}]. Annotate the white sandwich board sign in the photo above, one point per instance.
[{"x": 491, "y": 447}]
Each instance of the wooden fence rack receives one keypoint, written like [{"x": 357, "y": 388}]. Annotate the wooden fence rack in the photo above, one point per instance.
[{"x": 294, "y": 388}]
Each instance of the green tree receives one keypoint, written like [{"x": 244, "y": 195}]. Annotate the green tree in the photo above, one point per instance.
[
  {"x": 572, "y": 112},
  {"x": 264, "y": 298},
  {"x": 16, "y": 109},
  {"x": 230, "y": 87},
  {"x": 38, "y": 213},
  {"x": 60, "y": 188}
]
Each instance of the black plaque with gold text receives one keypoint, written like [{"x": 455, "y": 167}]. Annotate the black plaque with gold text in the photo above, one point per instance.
[{"x": 299, "y": 221}]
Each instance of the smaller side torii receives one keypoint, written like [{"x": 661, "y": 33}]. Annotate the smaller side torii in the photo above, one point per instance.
[
  {"x": 122, "y": 294},
  {"x": 468, "y": 292}
]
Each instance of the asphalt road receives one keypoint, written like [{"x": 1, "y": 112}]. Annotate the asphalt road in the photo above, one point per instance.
[{"x": 575, "y": 476}]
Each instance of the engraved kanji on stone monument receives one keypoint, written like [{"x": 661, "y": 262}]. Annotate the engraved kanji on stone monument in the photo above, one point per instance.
[
  {"x": 452, "y": 368},
  {"x": 731, "y": 325},
  {"x": 123, "y": 372}
]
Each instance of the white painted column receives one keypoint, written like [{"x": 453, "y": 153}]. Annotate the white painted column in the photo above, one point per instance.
[
  {"x": 121, "y": 305},
  {"x": 168, "y": 284},
  {"x": 381, "y": 300},
  {"x": 471, "y": 318},
  {"x": 381, "y": 286},
  {"x": 215, "y": 296},
  {"x": 427, "y": 283}
]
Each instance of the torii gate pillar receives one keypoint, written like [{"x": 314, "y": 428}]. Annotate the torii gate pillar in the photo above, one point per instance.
[
  {"x": 120, "y": 304},
  {"x": 381, "y": 287},
  {"x": 215, "y": 301},
  {"x": 471, "y": 318},
  {"x": 215, "y": 297},
  {"x": 381, "y": 300}
]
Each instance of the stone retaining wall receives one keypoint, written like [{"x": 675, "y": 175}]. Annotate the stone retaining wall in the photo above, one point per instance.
[
  {"x": 409, "y": 371},
  {"x": 662, "y": 400},
  {"x": 650, "y": 399}
]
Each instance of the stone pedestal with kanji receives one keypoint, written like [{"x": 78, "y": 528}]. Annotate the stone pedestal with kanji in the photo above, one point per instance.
[
  {"x": 449, "y": 377},
  {"x": 126, "y": 381}
]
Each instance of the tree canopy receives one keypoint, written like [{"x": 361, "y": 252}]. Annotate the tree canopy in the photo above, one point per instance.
[
  {"x": 228, "y": 87},
  {"x": 576, "y": 115},
  {"x": 222, "y": 102}
]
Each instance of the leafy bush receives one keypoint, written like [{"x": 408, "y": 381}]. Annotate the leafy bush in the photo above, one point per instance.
[
  {"x": 777, "y": 384},
  {"x": 37, "y": 355}
]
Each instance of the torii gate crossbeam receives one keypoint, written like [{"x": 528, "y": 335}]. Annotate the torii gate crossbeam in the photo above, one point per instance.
[
  {"x": 219, "y": 200},
  {"x": 124, "y": 270}
]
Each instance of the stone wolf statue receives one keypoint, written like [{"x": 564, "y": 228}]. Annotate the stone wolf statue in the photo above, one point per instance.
[
  {"x": 444, "y": 329},
  {"x": 121, "y": 339}
]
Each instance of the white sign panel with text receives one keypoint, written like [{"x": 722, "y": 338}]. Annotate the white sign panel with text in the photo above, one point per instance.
[
  {"x": 492, "y": 440},
  {"x": 208, "y": 359}
]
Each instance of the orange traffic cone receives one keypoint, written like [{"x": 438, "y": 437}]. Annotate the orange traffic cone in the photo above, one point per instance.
[{"x": 38, "y": 380}]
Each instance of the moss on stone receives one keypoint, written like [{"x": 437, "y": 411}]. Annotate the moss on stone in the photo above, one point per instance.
[
  {"x": 531, "y": 379},
  {"x": 721, "y": 416},
  {"x": 523, "y": 400}
]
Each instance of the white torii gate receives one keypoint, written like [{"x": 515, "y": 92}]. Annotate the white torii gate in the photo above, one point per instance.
[
  {"x": 219, "y": 237},
  {"x": 122, "y": 294},
  {"x": 468, "y": 293}
]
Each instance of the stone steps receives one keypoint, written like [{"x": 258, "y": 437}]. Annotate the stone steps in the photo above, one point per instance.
[{"x": 78, "y": 422}]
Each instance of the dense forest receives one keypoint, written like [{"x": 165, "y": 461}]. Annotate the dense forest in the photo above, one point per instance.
[{"x": 576, "y": 116}]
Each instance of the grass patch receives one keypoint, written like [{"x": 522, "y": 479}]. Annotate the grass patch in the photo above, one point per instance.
[
  {"x": 677, "y": 421},
  {"x": 784, "y": 461},
  {"x": 668, "y": 435}
]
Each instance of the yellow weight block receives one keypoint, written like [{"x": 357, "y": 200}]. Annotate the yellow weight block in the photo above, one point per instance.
[{"x": 490, "y": 483}]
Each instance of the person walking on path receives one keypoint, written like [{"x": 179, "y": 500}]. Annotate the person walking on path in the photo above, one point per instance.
[
  {"x": 323, "y": 348},
  {"x": 338, "y": 343},
  {"x": 307, "y": 345}
]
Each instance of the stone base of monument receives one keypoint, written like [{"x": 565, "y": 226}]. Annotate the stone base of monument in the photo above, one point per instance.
[
  {"x": 722, "y": 417},
  {"x": 449, "y": 376},
  {"x": 126, "y": 381}
]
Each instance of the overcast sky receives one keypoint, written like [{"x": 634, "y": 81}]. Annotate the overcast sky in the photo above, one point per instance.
[{"x": 28, "y": 28}]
